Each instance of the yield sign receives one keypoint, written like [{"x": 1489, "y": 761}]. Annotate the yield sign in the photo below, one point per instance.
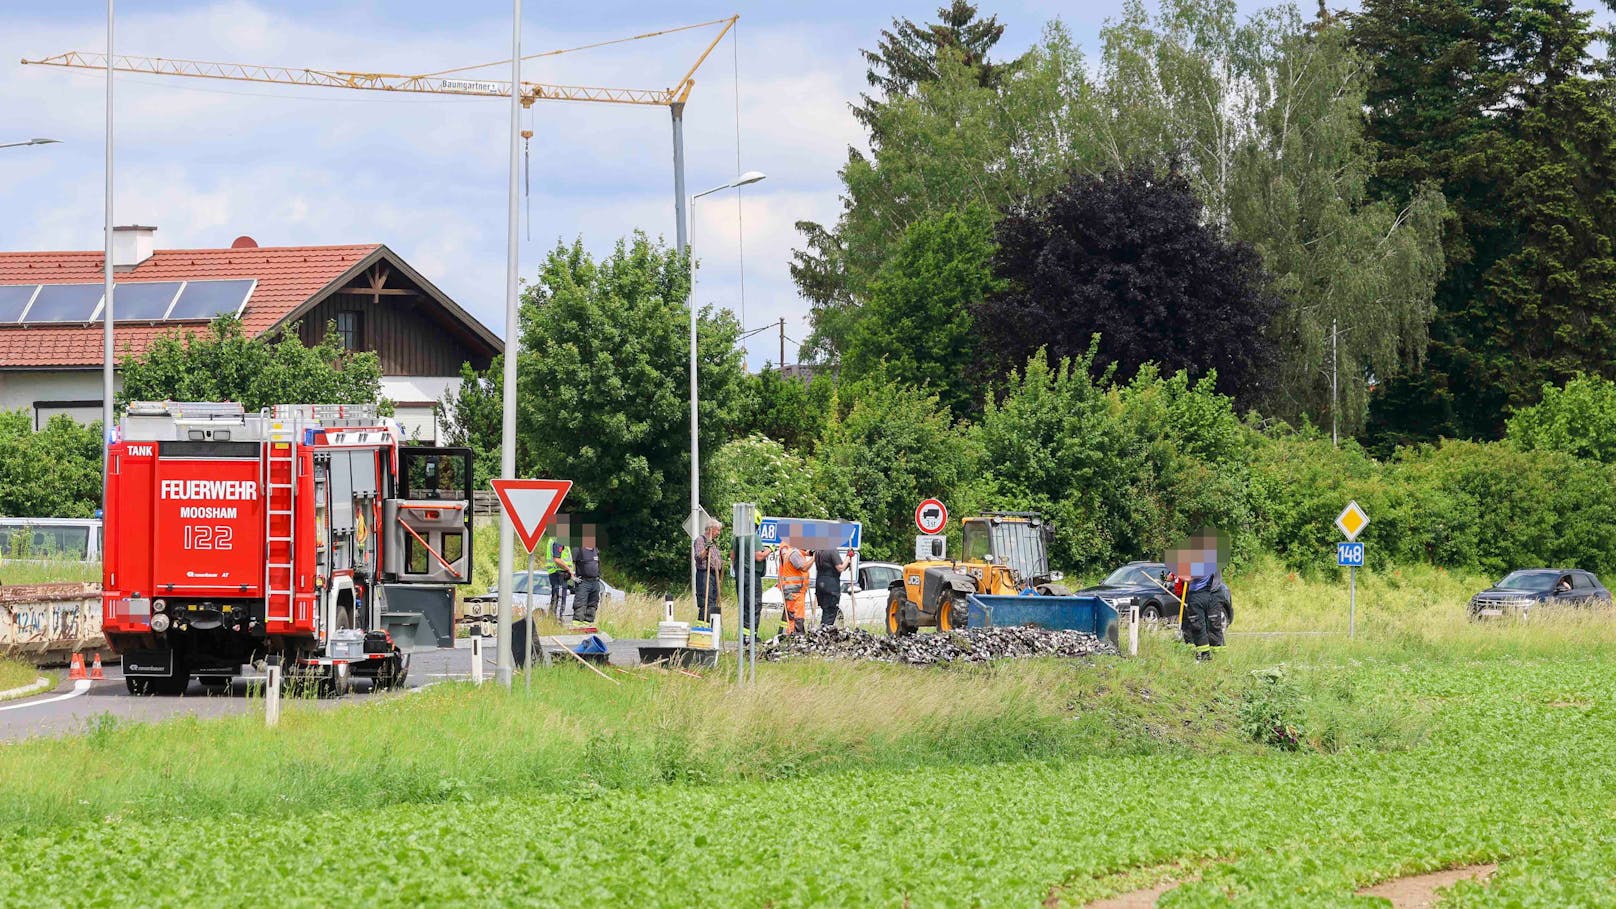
[{"x": 530, "y": 504}]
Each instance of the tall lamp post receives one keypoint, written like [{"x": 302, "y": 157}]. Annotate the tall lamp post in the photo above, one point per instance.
[
  {"x": 29, "y": 142},
  {"x": 751, "y": 176},
  {"x": 504, "y": 660}
]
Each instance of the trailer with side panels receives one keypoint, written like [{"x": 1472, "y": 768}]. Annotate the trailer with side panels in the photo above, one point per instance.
[{"x": 310, "y": 535}]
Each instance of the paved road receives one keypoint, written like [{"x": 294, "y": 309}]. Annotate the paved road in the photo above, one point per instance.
[{"x": 72, "y": 706}]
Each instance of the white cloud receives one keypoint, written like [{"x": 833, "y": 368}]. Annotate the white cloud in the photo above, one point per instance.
[{"x": 206, "y": 161}]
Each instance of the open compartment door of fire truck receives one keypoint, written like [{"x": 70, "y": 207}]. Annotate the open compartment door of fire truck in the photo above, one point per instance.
[{"x": 428, "y": 544}]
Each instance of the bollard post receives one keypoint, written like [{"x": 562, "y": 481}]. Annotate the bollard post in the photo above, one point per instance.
[
  {"x": 1133, "y": 631},
  {"x": 476, "y": 659},
  {"x": 667, "y": 607},
  {"x": 718, "y": 636},
  {"x": 272, "y": 697}
]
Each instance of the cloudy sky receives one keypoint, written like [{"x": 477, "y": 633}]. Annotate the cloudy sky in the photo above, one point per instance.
[{"x": 207, "y": 161}]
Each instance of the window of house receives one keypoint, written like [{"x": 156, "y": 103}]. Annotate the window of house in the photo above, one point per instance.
[{"x": 348, "y": 328}]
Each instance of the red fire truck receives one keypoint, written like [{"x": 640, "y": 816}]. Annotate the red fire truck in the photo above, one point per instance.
[{"x": 312, "y": 535}]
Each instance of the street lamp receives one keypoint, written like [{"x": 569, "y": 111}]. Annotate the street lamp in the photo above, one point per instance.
[
  {"x": 751, "y": 176},
  {"x": 29, "y": 142}
]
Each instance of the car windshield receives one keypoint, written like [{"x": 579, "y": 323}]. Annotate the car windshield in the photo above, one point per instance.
[
  {"x": 1124, "y": 577},
  {"x": 541, "y": 583},
  {"x": 1529, "y": 580}
]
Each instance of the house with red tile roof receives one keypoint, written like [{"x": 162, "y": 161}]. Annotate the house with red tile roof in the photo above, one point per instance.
[{"x": 51, "y": 307}]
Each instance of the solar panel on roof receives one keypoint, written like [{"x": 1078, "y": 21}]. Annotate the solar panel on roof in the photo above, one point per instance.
[
  {"x": 144, "y": 301},
  {"x": 206, "y": 299},
  {"x": 65, "y": 303},
  {"x": 14, "y": 299}
]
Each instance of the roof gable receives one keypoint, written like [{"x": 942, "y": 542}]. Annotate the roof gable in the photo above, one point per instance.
[{"x": 291, "y": 280}]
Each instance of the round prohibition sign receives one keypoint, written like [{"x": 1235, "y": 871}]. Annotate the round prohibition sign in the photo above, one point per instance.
[{"x": 931, "y": 516}]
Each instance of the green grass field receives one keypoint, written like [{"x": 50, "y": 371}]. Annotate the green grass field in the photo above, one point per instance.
[
  {"x": 15, "y": 673},
  {"x": 1291, "y": 772}
]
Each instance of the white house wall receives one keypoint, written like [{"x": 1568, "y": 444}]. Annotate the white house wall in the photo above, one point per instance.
[{"x": 38, "y": 391}]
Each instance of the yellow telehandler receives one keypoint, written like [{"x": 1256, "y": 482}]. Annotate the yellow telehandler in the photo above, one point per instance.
[{"x": 1006, "y": 555}]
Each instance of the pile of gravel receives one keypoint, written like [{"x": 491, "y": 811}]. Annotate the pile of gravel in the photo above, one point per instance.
[{"x": 974, "y": 645}]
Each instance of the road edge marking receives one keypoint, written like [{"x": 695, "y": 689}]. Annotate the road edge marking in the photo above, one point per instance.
[{"x": 80, "y": 686}]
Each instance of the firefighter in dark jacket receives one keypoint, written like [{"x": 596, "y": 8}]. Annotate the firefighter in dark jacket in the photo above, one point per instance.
[
  {"x": 586, "y": 559},
  {"x": 1197, "y": 570}
]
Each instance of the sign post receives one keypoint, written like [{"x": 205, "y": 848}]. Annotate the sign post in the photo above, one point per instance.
[
  {"x": 530, "y": 505},
  {"x": 745, "y": 518},
  {"x": 1350, "y": 555}
]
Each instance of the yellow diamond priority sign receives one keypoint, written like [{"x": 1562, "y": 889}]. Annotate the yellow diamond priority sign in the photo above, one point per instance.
[{"x": 1352, "y": 520}]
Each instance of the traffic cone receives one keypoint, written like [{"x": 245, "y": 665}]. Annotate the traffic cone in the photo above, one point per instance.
[
  {"x": 95, "y": 668},
  {"x": 75, "y": 670}
]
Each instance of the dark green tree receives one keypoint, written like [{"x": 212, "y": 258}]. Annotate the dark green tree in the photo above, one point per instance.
[
  {"x": 1263, "y": 114},
  {"x": 1129, "y": 258},
  {"x": 223, "y": 364},
  {"x": 918, "y": 319},
  {"x": 603, "y": 394},
  {"x": 908, "y": 54},
  {"x": 1504, "y": 107}
]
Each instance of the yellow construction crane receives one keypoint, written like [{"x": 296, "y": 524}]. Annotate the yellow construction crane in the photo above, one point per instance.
[{"x": 441, "y": 83}]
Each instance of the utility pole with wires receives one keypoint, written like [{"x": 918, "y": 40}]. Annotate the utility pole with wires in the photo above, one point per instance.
[{"x": 782, "y": 343}]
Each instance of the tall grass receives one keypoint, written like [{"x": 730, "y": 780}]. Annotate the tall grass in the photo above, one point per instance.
[
  {"x": 15, "y": 572},
  {"x": 575, "y": 729},
  {"x": 15, "y": 674}
]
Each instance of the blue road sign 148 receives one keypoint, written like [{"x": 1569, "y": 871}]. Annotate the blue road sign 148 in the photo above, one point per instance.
[{"x": 1349, "y": 555}]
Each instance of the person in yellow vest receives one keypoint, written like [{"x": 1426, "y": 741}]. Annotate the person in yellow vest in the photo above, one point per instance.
[
  {"x": 794, "y": 564},
  {"x": 558, "y": 560}
]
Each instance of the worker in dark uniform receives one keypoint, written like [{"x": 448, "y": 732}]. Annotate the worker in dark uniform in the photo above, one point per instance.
[
  {"x": 1203, "y": 601},
  {"x": 586, "y": 562},
  {"x": 828, "y": 567}
]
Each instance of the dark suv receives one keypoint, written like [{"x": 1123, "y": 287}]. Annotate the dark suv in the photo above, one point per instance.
[
  {"x": 1521, "y": 591},
  {"x": 1142, "y": 583}
]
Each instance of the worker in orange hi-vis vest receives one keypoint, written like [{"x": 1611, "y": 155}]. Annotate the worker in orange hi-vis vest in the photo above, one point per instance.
[{"x": 794, "y": 564}]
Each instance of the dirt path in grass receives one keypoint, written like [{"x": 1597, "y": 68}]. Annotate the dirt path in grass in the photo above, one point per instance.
[
  {"x": 1138, "y": 899},
  {"x": 1421, "y": 890},
  {"x": 1418, "y": 891}
]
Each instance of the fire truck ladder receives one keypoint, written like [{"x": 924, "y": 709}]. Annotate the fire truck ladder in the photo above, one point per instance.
[{"x": 280, "y": 487}]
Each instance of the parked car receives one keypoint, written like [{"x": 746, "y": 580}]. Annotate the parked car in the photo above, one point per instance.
[
  {"x": 865, "y": 597},
  {"x": 541, "y": 592},
  {"x": 1521, "y": 591},
  {"x": 1143, "y": 584}
]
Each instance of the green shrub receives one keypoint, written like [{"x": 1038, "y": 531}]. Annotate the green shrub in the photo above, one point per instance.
[
  {"x": 1271, "y": 710},
  {"x": 1579, "y": 419}
]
